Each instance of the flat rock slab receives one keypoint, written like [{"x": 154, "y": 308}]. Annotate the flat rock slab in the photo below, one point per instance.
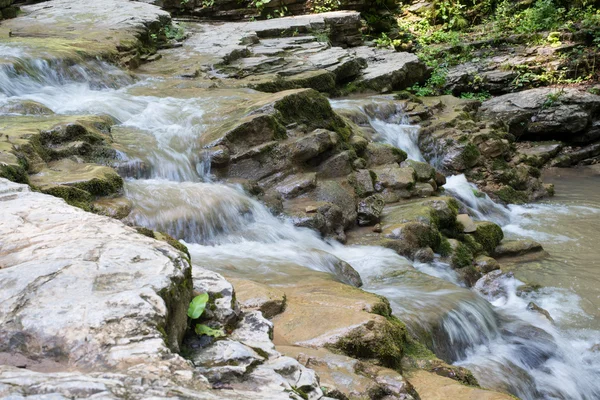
[
  {"x": 82, "y": 290},
  {"x": 434, "y": 387},
  {"x": 94, "y": 27}
]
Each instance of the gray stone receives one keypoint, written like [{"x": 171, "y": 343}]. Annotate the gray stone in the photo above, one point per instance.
[
  {"x": 369, "y": 210},
  {"x": 467, "y": 223},
  {"x": 336, "y": 165},
  {"x": 313, "y": 144},
  {"x": 363, "y": 183},
  {"x": 380, "y": 154},
  {"x": 394, "y": 177},
  {"x": 224, "y": 310},
  {"x": 295, "y": 185}
]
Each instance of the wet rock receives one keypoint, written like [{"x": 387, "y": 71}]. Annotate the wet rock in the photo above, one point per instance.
[
  {"x": 492, "y": 286},
  {"x": 576, "y": 156},
  {"x": 345, "y": 273},
  {"x": 515, "y": 248},
  {"x": 25, "y": 107},
  {"x": 226, "y": 360},
  {"x": 117, "y": 208},
  {"x": 218, "y": 155},
  {"x": 488, "y": 234},
  {"x": 467, "y": 223},
  {"x": 425, "y": 255},
  {"x": 342, "y": 196},
  {"x": 486, "y": 264},
  {"x": 369, "y": 210},
  {"x": 534, "y": 307}
]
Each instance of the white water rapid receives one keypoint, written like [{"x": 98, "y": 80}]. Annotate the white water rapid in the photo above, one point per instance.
[{"x": 507, "y": 346}]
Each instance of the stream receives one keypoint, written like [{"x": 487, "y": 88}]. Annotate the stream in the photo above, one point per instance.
[{"x": 508, "y": 347}]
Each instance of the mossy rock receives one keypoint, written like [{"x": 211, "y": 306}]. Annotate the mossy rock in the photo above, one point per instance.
[
  {"x": 94, "y": 179},
  {"x": 164, "y": 238},
  {"x": 322, "y": 81},
  {"x": 381, "y": 342},
  {"x": 511, "y": 196},
  {"x": 488, "y": 234},
  {"x": 72, "y": 195},
  {"x": 462, "y": 257}
]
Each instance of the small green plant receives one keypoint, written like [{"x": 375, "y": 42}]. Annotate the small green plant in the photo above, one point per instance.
[{"x": 195, "y": 311}]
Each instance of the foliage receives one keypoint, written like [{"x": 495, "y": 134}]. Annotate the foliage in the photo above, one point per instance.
[
  {"x": 197, "y": 306},
  {"x": 321, "y": 6},
  {"x": 481, "y": 96},
  {"x": 195, "y": 311},
  {"x": 202, "y": 329}
]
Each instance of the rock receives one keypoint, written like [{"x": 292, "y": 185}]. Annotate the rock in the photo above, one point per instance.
[
  {"x": 389, "y": 70},
  {"x": 222, "y": 309},
  {"x": 486, "y": 264},
  {"x": 25, "y": 107},
  {"x": 574, "y": 157},
  {"x": 313, "y": 144},
  {"x": 534, "y": 307},
  {"x": 346, "y": 274},
  {"x": 251, "y": 295},
  {"x": 539, "y": 154},
  {"x": 423, "y": 190},
  {"x": 226, "y": 360},
  {"x": 117, "y": 208},
  {"x": 362, "y": 182},
  {"x": 466, "y": 222},
  {"x": 85, "y": 261},
  {"x": 255, "y": 331},
  {"x": 492, "y": 286},
  {"x": 545, "y": 113},
  {"x": 393, "y": 176},
  {"x": 435, "y": 387},
  {"x": 423, "y": 171},
  {"x": 218, "y": 155},
  {"x": 425, "y": 255},
  {"x": 341, "y": 195},
  {"x": 515, "y": 248},
  {"x": 295, "y": 185},
  {"x": 381, "y": 154},
  {"x": 369, "y": 210},
  {"x": 336, "y": 166},
  {"x": 341, "y": 375},
  {"x": 488, "y": 234}
]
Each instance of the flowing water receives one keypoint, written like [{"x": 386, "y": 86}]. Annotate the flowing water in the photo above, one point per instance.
[{"x": 507, "y": 346}]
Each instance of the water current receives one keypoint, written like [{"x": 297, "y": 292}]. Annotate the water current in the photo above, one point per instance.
[{"x": 507, "y": 346}]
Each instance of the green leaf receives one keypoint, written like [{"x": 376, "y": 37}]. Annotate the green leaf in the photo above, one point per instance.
[
  {"x": 197, "y": 306},
  {"x": 202, "y": 329}
]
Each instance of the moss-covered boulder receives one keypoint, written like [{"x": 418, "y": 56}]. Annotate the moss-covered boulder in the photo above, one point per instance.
[{"x": 488, "y": 234}]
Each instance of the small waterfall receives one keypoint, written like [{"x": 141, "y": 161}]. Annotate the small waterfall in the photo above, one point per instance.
[
  {"x": 478, "y": 203},
  {"x": 390, "y": 122}
]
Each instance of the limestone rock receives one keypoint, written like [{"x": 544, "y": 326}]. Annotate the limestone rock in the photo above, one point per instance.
[
  {"x": 251, "y": 295},
  {"x": 545, "y": 112},
  {"x": 116, "y": 300},
  {"x": 423, "y": 171},
  {"x": 380, "y": 154},
  {"x": 363, "y": 183},
  {"x": 222, "y": 307}
]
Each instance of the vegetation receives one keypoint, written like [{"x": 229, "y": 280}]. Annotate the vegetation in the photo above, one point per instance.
[{"x": 195, "y": 311}]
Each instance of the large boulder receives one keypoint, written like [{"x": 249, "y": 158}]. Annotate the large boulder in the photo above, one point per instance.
[{"x": 547, "y": 113}]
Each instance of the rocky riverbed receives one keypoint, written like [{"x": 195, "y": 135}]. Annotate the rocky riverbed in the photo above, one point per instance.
[{"x": 353, "y": 239}]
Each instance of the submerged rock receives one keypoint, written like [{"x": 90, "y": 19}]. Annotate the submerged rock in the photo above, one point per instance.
[{"x": 515, "y": 248}]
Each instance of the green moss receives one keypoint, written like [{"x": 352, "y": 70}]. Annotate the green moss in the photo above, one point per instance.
[
  {"x": 382, "y": 342},
  {"x": 145, "y": 231},
  {"x": 470, "y": 154},
  {"x": 489, "y": 235},
  {"x": 471, "y": 243},
  {"x": 111, "y": 183},
  {"x": 462, "y": 257},
  {"x": 72, "y": 195},
  {"x": 512, "y": 196},
  {"x": 445, "y": 248},
  {"x": 14, "y": 173},
  {"x": 312, "y": 109}
]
